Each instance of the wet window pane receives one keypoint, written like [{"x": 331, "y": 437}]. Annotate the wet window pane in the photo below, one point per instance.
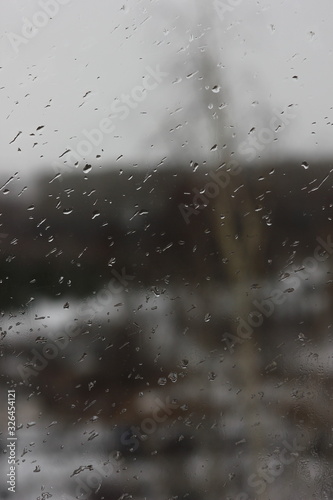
[{"x": 166, "y": 250}]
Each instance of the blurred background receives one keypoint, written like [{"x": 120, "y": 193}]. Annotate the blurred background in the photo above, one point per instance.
[{"x": 166, "y": 254}]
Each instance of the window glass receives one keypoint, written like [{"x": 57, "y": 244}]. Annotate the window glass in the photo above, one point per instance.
[{"x": 166, "y": 250}]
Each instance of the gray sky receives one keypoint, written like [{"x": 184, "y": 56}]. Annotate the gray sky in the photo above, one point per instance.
[{"x": 104, "y": 49}]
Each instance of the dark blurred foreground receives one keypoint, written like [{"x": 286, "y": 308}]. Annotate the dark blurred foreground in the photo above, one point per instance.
[{"x": 170, "y": 339}]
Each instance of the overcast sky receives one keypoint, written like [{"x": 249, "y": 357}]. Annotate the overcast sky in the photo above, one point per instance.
[{"x": 66, "y": 75}]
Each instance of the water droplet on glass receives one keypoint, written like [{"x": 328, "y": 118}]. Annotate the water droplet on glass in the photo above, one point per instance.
[
  {"x": 173, "y": 377},
  {"x": 67, "y": 211},
  {"x": 184, "y": 363},
  {"x": 156, "y": 291},
  {"x": 96, "y": 213},
  {"x": 305, "y": 165},
  {"x": 216, "y": 89},
  {"x": 87, "y": 168},
  {"x": 207, "y": 317},
  {"x": 162, "y": 381}
]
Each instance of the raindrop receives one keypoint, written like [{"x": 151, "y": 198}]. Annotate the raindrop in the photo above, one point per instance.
[
  {"x": 184, "y": 363},
  {"x": 212, "y": 376},
  {"x": 80, "y": 469},
  {"x": 216, "y": 89},
  {"x": 305, "y": 165},
  {"x": 157, "y": 292},
  {"x": 96, "y": 213},
  {"x": 187, "y": 76},
  {"x": 91, "y": 385},
  {"x": 93, "y": 436},
  {"x": 67, "y": 211},
  {"x": 173, "y": 377},
  {"x": 54, "y": 422},
  {"x": 87, "y": 168},
  {"x": 162, "y": 381},
  {"x": 208, "y": 317},
  {"x": 41, "y": 340}
]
